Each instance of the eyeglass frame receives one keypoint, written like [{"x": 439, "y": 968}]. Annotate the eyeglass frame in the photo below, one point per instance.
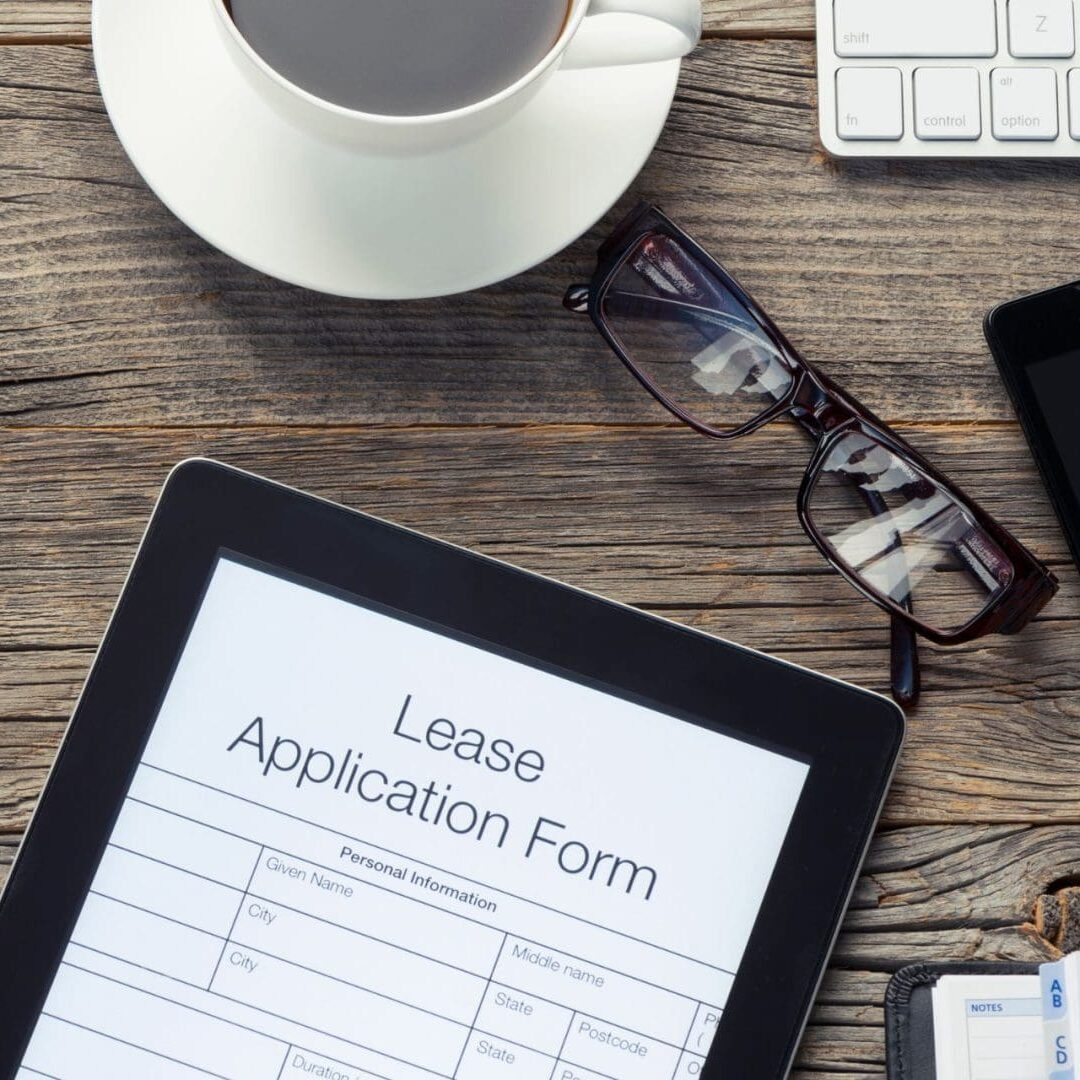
[{"x": 827, "y": 414}]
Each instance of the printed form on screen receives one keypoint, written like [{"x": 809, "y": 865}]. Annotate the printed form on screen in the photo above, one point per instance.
[{"x": 358, "y": 848}]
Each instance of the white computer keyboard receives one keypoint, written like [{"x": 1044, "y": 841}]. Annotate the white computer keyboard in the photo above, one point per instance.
[{"x": 949, "y": 78}]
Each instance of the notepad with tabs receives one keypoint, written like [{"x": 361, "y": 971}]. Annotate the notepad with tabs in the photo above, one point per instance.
[{"x": 988, "y": 1027}]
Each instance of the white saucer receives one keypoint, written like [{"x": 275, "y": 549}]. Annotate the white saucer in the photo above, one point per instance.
[{"x": 337, "y": 220}]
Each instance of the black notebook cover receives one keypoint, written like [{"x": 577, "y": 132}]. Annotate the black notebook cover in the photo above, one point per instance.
[{"x": 909, "y": 1014}]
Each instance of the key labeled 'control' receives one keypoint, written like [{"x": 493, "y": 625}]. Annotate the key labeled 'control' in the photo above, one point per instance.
[
  {"x": 1025, "y": 103},
  {"x": 869, "y": 103},
  {"x": 1042, "y": 28},
  {"x": 947, "y": 103}
]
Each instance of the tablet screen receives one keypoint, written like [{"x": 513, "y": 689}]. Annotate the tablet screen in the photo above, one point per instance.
[{"x": 357, "y": 847}]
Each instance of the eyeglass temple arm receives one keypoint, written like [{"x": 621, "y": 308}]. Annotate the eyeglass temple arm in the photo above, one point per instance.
[
  {"x": 642, "y": 305},
  {"x": 904, "y": 668},
  {"x": 904, "y": 674}
]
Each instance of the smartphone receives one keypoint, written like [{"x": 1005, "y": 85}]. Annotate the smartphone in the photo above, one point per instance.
[{"x": 1036, "y": 343}]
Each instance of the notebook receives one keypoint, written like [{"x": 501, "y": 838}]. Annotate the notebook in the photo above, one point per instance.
[
  {"x": 965, "y": 1021},
  {"x": 988, "y": 1027}
]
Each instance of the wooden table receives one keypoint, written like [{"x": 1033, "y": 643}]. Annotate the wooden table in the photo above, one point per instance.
[{"x": 499, "y": 422}]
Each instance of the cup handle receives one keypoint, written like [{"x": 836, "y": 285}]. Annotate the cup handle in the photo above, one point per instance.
[{"x": 661, "y": 30}]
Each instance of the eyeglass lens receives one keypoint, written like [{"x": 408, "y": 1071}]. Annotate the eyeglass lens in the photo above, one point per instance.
[
  {"x": 904, "y": 536},
  {"x": 691, "y": 338}
]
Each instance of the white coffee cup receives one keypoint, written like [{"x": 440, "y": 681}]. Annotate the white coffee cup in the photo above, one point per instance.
[{"x": 598, "y": 33}]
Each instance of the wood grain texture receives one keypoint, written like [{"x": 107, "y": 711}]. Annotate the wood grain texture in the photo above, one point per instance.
[
  {"x": 950, "y": 893},
  {"x": 7, "y": 855},
  {"x": 656, "y": 517},
  {"x": 44, "y": 19},
  {"x": 113, "y": 313},
  {"x": 759, "y": 18},
  {"x": 26, "y": 753},
  {"x": 126, "y": 343}
]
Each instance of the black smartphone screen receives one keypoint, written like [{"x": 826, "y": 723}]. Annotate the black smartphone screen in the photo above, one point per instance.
[{"x": 1036, "y": 342}]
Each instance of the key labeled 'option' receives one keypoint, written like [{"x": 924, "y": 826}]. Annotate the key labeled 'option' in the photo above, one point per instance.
[{"x": 1025, "y": 103}]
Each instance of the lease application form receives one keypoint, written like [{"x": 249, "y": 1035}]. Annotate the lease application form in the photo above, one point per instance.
[{"x": 356, "y": 847}]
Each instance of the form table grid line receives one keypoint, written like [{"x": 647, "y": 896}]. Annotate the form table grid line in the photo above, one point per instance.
[
  {"x": 479, "y": 1008},
  {"x": 446, "y": 911},
  {"x": 429, "y": 866},
  {"x": 134, "y": 1046},
  {"x": 239, "y": 908}
]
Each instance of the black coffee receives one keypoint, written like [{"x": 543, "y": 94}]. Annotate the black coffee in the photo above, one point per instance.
[{"x": 401, "y": 57}]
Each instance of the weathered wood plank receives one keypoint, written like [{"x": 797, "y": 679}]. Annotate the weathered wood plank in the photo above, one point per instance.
[
  {"x": 754, "y": 18},
  {"x": 657, "y": 518},
  {"x": 26, "y": 754},
  {"x": 43, "y": 19},
  {"x": 112, "y": 312},
  {"x": 20, "y": 19},
  {"x": 975, "y": 886},
  {"x": 845, "y": 1036},
  {"x": 7, "y": 854},
  {"x": 930, "y": 894}
]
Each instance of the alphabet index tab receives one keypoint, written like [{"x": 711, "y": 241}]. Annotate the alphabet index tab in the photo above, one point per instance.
[{"x": 1061, "y": 1020}]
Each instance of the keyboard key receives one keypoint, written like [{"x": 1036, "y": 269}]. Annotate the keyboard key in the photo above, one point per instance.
[
  {"x": 1042, "y": 28},
  {"x": 869, "y": 103},
  {"x": 955, "y": 28},
  {"x": 1025, "y": 102},
  {"x": 1074, "y": 103},
  {"x": 947, "y": 103}
]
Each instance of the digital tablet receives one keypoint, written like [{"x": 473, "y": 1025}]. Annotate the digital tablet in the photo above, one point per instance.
[{"x": 342, "y": 801}]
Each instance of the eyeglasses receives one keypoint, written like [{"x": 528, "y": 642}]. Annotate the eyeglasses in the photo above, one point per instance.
[{"x": 901, "y": 533}]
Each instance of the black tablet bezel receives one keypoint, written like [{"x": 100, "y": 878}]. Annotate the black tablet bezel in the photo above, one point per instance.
[
  {"x": 1023, "y": 332},
  {"x": 850, "y": 737}
]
